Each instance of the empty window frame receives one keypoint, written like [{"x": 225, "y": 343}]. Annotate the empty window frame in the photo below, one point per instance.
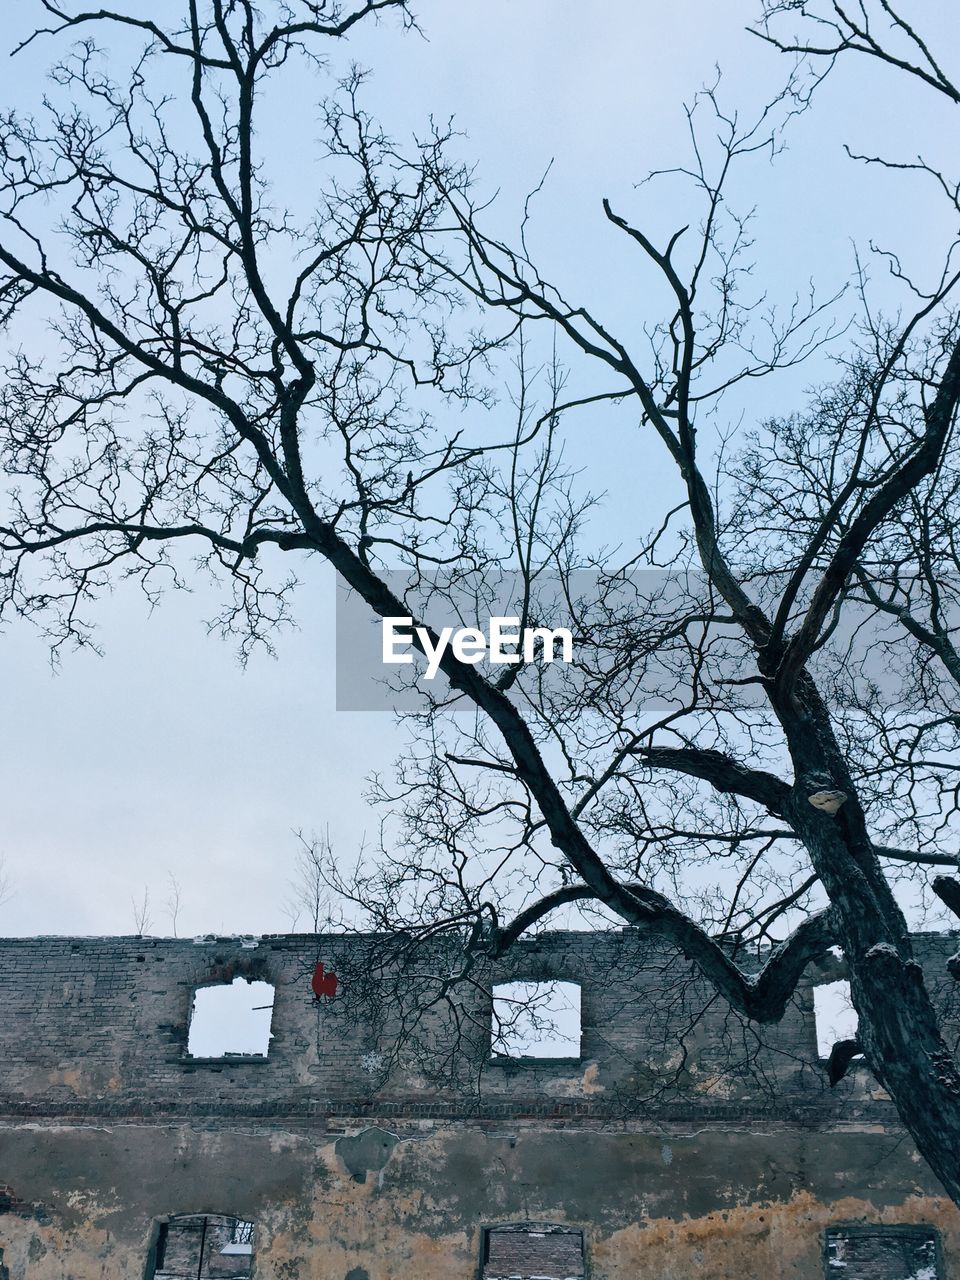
[
  {"x": 834, "y": 1014},
  {"x": 882, "y": 1253},
  {"x": 204, "y": 1247},
  {"x": 536, "y": 1020},
  {"x": 524, "y": 1250},
  {"x": 231, "y": 1019}
]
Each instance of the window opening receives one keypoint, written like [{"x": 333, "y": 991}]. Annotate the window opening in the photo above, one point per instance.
[
  {"x": 231, "y": 1019},
  {"x": 528, "y": 1250},
  {"x": 882, "y": 1253},
  {"x": 834, "y": 1014},
  {"x": 204, "y": 1247},
  {"x": 536, "y": 1020}
]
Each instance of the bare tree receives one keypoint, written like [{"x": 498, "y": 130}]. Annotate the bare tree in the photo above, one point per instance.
[
  {"x": 253, "y": 378},
  {"x": 307, "y": 890},
  {"x": 6, "y": 882},
  {"x": 142, "y": 919},
  {"x": 875, "y": 28},
  {"x": 173, "y": 900}
]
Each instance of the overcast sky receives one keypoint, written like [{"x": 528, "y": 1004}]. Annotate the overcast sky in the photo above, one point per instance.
[{"x": 164, "y": 757}]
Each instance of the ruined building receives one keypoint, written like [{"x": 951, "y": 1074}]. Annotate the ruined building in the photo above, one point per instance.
[{"x": 667, "y": 1139}]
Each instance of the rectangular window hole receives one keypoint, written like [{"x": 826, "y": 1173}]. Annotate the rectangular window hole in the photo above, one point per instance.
[
  {"x": 835, "y": 1016},
  {"x": 882, "y": 1253},
  {"x": 231, "y": 1019},
  {"x": 524, "y": 1250},
  {"x": 536, "y": 1020},
  {"x": 204, "y": 1247}
]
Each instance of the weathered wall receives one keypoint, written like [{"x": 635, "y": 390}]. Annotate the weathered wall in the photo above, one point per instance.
[
  {"x": 98, "y": 1026},
  {"x": 721, "y": 1154},
  {"x": 724, "y": 1204}
]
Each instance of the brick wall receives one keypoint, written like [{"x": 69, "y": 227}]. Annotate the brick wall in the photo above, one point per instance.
[{"x": 99, "y": 1026}]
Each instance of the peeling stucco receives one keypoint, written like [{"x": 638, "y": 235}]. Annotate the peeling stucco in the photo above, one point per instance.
[{"x": 365, "y": 1152}]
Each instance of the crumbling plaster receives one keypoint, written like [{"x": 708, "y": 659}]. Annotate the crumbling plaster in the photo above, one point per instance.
[{"x": 750, "y": 1202}]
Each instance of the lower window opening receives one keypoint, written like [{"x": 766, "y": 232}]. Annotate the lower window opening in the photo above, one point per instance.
[
  {"x": 532, "y": 1251},
  {"x": 882, "y": 1253},
  {"x": 204, "y": 1247}
]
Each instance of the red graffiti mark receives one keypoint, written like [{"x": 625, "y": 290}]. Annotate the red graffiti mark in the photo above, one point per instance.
[{"x": 323, "y": 984}]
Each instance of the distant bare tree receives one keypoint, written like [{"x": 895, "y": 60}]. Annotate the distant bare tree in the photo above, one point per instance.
[
  {"x": 307, "y": 892},
  {"x": 6, "y": 882},
  {"x": 141, "y": 913},
  {"x": 173, "y": 900}
]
